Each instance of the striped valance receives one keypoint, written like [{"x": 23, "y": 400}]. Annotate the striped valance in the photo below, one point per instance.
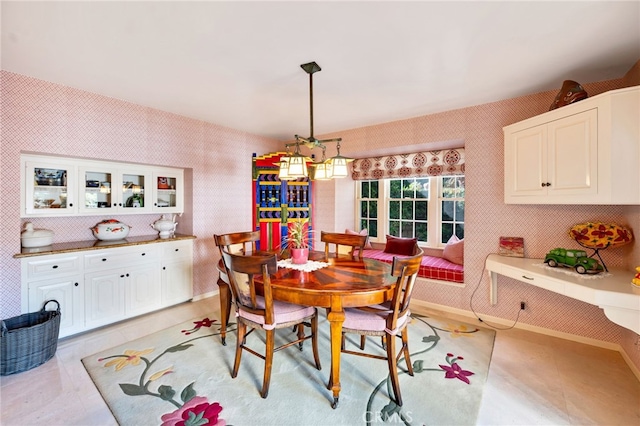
[{"x": 419, "y": 164}]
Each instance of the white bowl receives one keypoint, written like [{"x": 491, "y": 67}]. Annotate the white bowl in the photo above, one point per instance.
[
  {"x": 110, "y": 229},
  {"x": 36, "y": 237}
]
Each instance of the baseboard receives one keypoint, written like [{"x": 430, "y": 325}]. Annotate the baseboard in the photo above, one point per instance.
[
  {"x": 205, "y": 295},
  {"x": 535, "y": 329}
]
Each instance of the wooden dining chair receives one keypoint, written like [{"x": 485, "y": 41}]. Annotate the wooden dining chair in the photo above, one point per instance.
[
  {"x": 336, "y": 239},
  {"x": 388, "y": 320},
  {"x": 264, "y": 313},
  {"x": 235, "y": 242}
]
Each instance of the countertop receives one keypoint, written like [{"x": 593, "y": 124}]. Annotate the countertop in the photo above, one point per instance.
[{"x": 96, "y": 245}]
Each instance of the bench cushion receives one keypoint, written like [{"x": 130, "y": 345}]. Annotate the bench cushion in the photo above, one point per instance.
[{"x": 432, "y": 267}]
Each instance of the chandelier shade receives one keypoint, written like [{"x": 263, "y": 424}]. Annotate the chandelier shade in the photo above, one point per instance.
[{"x": 296, "y": 163}]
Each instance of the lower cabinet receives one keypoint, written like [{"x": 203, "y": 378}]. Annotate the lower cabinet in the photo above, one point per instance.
[
  {"x": 69, "y": 292},
  {"x": 100, "y": 287}
]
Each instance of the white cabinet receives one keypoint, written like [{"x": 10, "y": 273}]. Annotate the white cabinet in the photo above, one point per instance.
[
  {"x": 584, "y": 153},
  {"x": 96, "y": 287},
  {"x": 177, "y": 273},
  {"x": 168, "y": 187},
  {"x": 55, "y": 277},
  {"x": 60, "y": 186},
  {"x": 107, "y": 188},
  {"x": 48, "y": 187}
]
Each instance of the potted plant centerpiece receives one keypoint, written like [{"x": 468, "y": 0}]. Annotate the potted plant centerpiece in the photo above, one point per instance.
[{"x": 298, "y": 241}]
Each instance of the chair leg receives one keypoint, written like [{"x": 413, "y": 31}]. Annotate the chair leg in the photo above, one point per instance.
[
  {"x": 242, "y": 328},
  {"x": 363, "y": 339},
  {"x": 393, "y": 369},
  {"x": 405, "y": 350},
  {"x": 314, "y": 340},
  {"x": 268, "y": 362},
  {"x": 300, "y": 334}
]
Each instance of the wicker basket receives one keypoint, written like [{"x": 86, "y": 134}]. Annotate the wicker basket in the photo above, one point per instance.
[{"x": 29, "y": 340}]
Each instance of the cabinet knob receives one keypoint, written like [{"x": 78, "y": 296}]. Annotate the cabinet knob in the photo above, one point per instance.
[
  {"x": 164, "y": 268},
  {"x": 70, "y": 204},
  {"x": 143, "y": 254},
  {"x": 127, "y": 274},
  {"x": 121, "y": 276},
  {"x": 545, "y": 184},
  {"x": 75, "y": 284},
  {"x": 55, "y": 266},
  {"x": 177, "y": 249},
  {"x": 104, "y": 260}
]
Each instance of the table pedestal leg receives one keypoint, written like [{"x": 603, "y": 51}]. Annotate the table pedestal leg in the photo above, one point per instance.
[
  {"x": 225, "y": 309},
  {"x": 336, "y": 318}
]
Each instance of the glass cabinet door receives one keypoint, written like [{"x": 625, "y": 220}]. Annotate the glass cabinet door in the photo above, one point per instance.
[
  {"x": 96, "y": 190},
  {"x": 167, "y": 194},
  {"x": 136, "y": 191},
  {"x": 49, "y": 188}
]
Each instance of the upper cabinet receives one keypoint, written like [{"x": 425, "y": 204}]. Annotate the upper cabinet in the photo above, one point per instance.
[
  {"x": 584, "y": 153},
  {"x": 56, "y": 186}
]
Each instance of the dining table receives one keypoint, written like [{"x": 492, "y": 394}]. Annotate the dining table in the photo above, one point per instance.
[{"x": 339, "y": 282}]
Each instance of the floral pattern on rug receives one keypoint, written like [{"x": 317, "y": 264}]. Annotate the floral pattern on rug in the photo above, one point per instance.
[{"x": 191, "y": 409}]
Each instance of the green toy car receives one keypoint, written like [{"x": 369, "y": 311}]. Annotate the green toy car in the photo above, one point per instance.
[{"x": 576, "y": 259}]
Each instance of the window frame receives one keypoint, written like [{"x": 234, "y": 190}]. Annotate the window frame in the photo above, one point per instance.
[{"x": 434, "y": 209}]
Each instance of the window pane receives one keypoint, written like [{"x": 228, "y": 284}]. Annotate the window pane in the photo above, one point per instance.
[
  {"x": 459, "y": 211},
  {"x": 460, "y": 230},
  {"x": 407, "y": 210},
  {"x": 447, "y": 232},
  {"x": 373, "y": 228},
  {"x": 365, "y": 190},
  {"x": 407, "y": 230},
  {"x": 422, "y": 188},
  {"x": 364, "y": 223},
  {"x": 394, "y": 228},
  {"x": 422, "y": 232},
  {"x": 394, "y": 210},
  {"x": 373, "y": 209},
  {"x": 447, "y": 210},
  {"x": 364, "y": 209},
  {"x": 395, "y": 189},
  {"x": 374, "y": 189},
  {"x": 421, "y": 210},
  {"x": 408, "y": 190}
]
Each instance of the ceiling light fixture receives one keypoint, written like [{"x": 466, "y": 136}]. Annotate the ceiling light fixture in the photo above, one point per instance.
[{"x": 294, "y": 165}]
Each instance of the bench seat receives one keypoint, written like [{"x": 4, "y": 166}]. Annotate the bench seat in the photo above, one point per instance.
[{"x": 435, "y": 268}]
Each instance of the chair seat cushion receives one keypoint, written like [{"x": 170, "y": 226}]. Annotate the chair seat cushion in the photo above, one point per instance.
[
  {"x": 358, "y": 320},
  {"x": 282, "y": 312}
]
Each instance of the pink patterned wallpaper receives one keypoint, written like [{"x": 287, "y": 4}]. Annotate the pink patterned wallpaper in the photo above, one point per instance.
[{"x": 44, "y": 117}]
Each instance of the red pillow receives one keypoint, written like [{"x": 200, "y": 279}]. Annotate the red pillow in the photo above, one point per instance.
[
  {"x": 454, "y": 250},
  {"x": 367, "y": 244},
  {"x": 403, "y": 246}
]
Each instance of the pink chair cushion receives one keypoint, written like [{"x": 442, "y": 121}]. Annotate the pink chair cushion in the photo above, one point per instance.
[
  {"x": 282, "y": 312},
  {"x": 355, "y": 319}
]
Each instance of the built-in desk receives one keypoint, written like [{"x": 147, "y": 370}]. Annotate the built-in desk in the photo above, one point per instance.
[{"x": 613, "y": 293}]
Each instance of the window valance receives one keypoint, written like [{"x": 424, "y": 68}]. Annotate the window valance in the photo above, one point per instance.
[{"x": 419, "y": 164}]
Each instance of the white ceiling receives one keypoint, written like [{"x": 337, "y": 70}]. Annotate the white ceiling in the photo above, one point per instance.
[{"x": 237, "y": 64}]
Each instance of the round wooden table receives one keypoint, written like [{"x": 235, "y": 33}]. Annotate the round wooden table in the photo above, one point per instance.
[{"x": 346, "y": 282}]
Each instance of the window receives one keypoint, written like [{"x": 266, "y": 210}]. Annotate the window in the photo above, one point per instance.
[{"x": 430, "y": 209}]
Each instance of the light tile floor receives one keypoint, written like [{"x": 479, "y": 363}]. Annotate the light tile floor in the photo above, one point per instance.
[{"x": 533, "y": 379}]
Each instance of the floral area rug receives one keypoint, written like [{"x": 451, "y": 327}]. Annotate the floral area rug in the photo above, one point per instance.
[{"x": 182, "y": 375}]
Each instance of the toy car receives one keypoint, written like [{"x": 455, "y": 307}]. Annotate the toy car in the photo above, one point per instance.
[{"x": 576, "y": 259}]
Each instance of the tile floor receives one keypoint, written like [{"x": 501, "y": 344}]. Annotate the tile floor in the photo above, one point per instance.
[{"x": 533, "y": 379}]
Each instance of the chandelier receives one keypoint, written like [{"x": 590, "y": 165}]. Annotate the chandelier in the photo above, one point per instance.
[{"x": 294, "y": 164}]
